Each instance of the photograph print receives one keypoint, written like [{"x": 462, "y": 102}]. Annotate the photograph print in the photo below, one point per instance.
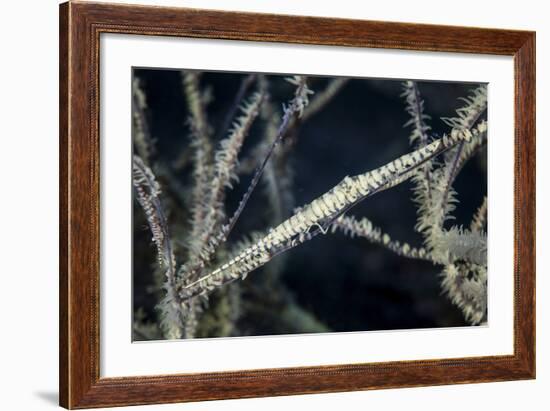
[{"x": 273, "y": 204}]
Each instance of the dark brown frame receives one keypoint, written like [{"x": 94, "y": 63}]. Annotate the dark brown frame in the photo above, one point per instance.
[{"x": 80, "y": 27}]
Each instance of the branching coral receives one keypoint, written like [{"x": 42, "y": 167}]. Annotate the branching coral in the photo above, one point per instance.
[
  {"x": 349, "y": 225},
  {"x": 142, "y": 136},
  {"x": 462, "y": 252},
  {"x": 147, "y": 194},
  {"x": 210, "y": 265},
  {"x": 317, "y": 216},
  {"x": 225, "y": 161}
]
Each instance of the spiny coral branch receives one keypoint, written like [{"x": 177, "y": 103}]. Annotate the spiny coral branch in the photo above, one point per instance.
[
  {"x": 226, "y": 159},
  {"x": 468, "y": 115},
  {"x": 466, "y": 285},
  {"x": 415, "y": 109},
  {"x": 235, "y": 106},
  {"x": 479, "y": 140},
  {"x": 433, "y": 214},
  {"x": 322, "y": 98},
  {"x": 141, "y": 134},
  {"x": 209, "y": 209},
  {"x": 294, "y": 108},
  {"x": 479, "y": 220},
  {"x": 349, "y": 225},
  {"x": 196, "y": 106},
  {"x": 277, "y": 175},
  {"x": 202, "y": 155},
  {"x": 147, "y": 194},
  {"x": 453, "y": 164},
  {"x": 201, "y": 179},
  {"x": 461, "y": 244},
  {"x": 463, "y": 252},
  {"x": 418, "y": 138},
  {"x": 320, "y": 214}
]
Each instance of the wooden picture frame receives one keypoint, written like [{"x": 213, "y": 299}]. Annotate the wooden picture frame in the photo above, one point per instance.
[{"x": 80, "y": 27}]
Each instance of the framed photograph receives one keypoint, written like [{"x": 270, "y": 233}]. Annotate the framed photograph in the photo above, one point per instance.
[{"x": 259, "y": 205}]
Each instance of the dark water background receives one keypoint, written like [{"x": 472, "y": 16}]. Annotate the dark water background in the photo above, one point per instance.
[{"x": 347, "y": 284}]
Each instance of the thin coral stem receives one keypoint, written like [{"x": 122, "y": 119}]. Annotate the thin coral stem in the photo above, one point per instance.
[
  {"x": 197, "y": 117},
  {"x": 148, "y": 191},
  {"x": 468, "y": 116},
  {"x": 479, "y": 141},
  {"x": 479, "y": 219},
  {"x": 322, "y": 98},
  {"x": 226, "y": 160},
  {"x": 349, "y": 225},
  {"x": 142, "y": 134},
  {"x": 294, "y": 108},
  {"x": 455, "y": 167},
  {"x": 237, "y": 101},
  {"x": 422, "y": 128}
]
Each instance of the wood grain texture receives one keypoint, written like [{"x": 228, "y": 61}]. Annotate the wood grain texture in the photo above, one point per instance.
[
  {"x": 80, "y": 27},
  {"x": 63, "y": 205}
]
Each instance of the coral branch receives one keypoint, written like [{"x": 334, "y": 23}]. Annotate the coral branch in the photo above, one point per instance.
[
  {"x": 418, "y": 138},
  {"x": 141, "y": 134},
  {"x": 415, "y": 109},
  {"x": 479, "y": 140},
  {"x": 148, "y": 190},
  {"x": 433, "y": 214},
  {"x": 226, "y": 158},
  {"x": 237, "y": 101},
  {"x": 201, "y": 179},
  {"x": 278, "y": 175},
  {"x": 322, "y": 98},
  {"x": 460, "y": 244},
  {"x": 295, "y": 108},
  {"x": 147, "y": 194},
  {"x": 349, "y": 225},
  {"x": 317, "y": 216},
  {"x": 196, "y": 106},
  {"x": 466, "y": 286},
  {"x": 468, "y": 115},
  {"x": 209, "y": 209},
  {"x": 479, "y": 221}
]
